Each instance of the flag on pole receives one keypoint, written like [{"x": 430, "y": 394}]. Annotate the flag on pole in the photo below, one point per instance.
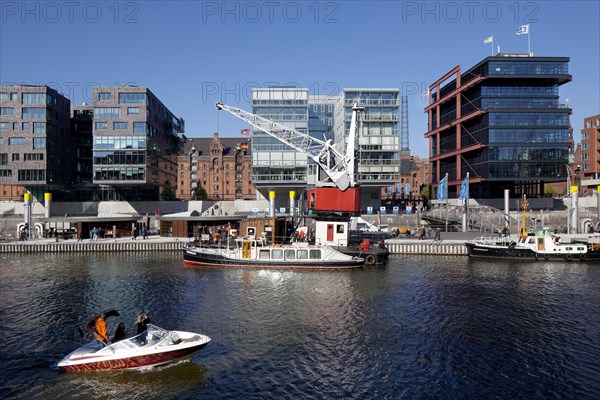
[
  {"x": 442, "y": 188},
  {"x": 390, "y": 190},
  {"x": 245, "y": 131},
  {"x": 488, "y": 40},
  {"x": 406, "y": 189},
  {"x": 398, "y": 189},
  {"x": 523, "y": 30},
  {"x": 464, "y": 189}
]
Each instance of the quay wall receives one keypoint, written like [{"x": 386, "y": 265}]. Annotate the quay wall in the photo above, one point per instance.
[{"x": 399, "y": 247}]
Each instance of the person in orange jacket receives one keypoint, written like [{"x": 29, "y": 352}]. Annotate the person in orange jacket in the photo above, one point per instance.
[{"x": 100, "y": 329}]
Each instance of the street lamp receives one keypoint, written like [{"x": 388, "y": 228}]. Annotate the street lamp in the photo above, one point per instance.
[{"x": 573, "y": 192}]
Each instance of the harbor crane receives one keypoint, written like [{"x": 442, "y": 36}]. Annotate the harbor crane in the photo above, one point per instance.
[{"x": 336, "y": 191}]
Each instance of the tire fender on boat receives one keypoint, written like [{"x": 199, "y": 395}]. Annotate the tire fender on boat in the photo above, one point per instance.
[
  {"x": 370, "y": 259},
  {"x": 546, "y": 257},
  {"x": 582, "y": 257},
  {"x": 568, "y": 257}
]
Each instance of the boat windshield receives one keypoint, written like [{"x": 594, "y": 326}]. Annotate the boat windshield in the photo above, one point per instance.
[{"x": 153, "y": 335}]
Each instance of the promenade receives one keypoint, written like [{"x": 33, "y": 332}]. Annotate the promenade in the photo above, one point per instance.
[{"x": 452, "y": 244}]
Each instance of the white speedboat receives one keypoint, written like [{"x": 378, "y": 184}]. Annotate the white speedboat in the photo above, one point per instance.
[{"x": 156, "y": 346}]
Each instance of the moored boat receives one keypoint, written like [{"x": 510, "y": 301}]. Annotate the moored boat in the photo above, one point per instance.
[
  {"x": 541, "y": 245},
  {"x": 251, "y": 252},
  {"x": 153, "y": 347}
]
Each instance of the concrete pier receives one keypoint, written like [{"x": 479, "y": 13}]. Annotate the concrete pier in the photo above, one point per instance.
[{"x": 452, "y": 244}]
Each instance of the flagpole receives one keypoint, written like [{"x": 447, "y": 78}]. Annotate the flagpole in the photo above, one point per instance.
[
  {"x": 446, "y": 202},
  {"x": 492, "y": 46},
  {"x": 528, "y": 41},
  {"x": 465, "y": 203}
]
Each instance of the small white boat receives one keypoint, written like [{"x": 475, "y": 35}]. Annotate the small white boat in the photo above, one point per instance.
[
  {"x": 541, "y": 245},
  {"x": 251, "y": 252},
  {"x": 156, "y": 346}
]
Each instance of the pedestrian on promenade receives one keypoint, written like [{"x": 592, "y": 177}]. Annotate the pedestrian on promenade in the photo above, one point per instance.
[{"x": 438, "y": 234}]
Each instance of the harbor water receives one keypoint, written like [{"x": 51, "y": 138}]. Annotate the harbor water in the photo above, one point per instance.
[{"x": 420, "y": 327}]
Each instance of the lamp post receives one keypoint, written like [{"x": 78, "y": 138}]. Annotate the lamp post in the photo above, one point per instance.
[{"x": 573, "y": 191}]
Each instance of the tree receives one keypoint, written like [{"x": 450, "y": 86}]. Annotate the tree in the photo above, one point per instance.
[
  {"x": 549, "y": 191},
  {"x": 168, "y": 194},
  {"x": 199, "y": 193}
]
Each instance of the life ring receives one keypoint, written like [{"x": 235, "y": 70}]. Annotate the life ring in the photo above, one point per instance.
[
  {"x": 569, "y": 257},
  {"x": 582, "y": 257},
  {"x": 546, "y": 257},
  {"x": 370, "y": 259}
]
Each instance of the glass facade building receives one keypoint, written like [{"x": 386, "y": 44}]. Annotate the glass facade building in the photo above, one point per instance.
[
  {"x": 379, "y": 144},
  {"x": 501, "y": 121},
  {"x": 274, "y": 163},
  {"x": 135, "y": 143}
]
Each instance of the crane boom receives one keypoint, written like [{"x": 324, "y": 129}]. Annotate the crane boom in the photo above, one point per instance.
[{"x": 324, "y": 153}]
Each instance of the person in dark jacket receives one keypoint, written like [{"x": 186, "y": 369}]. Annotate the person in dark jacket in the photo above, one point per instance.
[
  {"x": 119, "y": 333},
  {"x": 141, "y": 324}
]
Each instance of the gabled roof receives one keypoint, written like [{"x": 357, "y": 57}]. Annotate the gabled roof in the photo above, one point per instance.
[{"x": 202, "y": 145}]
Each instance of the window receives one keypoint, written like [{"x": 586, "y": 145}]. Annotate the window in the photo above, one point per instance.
[
  {"x": 302, "y": 254},
  {"x": 16, "y": 141},
  {"x": 25, "y": 126},
  {"x": 39, "y": 143},
  {"x": 132, "y": 98},
  {"x": 277, "y": 254},
  {"x": 5, "y": 173},
  {"x": 34, "y": 113},
  {"x": 263, "y": 254},
  {"x": 4, "y": 126},
  {"x": 133, "y": 111},
  {"x": 107, "y": 112},
  {"x": 119, "y": 125},
  {"x": 3, "y": 158},
  {"x": 7, "y": 111},
  {"x": 34, "y": 98},
  {"x": 16, "y": 126},
  {"x": 3, "y": 96},
  {"x": 315, "y": 254},
  {"x": 290, "y": 254},
  {"x": 14, "y": 96},
  {"x": 589, "y": 123},
  {"x": 139, "y": 127},
  {"x": 27, "y": 175},
  {"x": 104, "y": 96},
  {"x": 16, "y": 156},
  {"x": 39, "y": 127},
  {"x": 33, "y": 156},
  {"x": 101, "y": 125}
]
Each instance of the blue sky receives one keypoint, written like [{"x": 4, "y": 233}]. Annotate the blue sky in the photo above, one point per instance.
[{"x": 192, "y": 54}]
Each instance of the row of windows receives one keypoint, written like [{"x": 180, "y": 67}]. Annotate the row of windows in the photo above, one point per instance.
[
  {"x": 101, "y": 125},
  {"x": 519, "y": 90},
  {"x": 528, "y": 119},
  {"x": 5, "y": 173},
  {"x": 35, "y": 113},
  {"x": 107, "y": 112},
  {"x": 119, "y": 174},
  {"x": 133, "y": 98},
  {"x": 119, "y": 142},
  {"x": 528, "y": 68},
  {"x": 34, "y": 156},
  {"x": 289, "y": 254},
  {"x": 528, "y": 136},
  {"x": 39, "y": 99},
  {"x": 280, "y": 102},
  {"x": 119, "y": 158},
  {"x": 7, "y": 111},
  {"x": 528, "y": 154},
  {"x": 518, "y": 103},
  {"x": 31, "y": 175},
  {"x": 526, "y": 170}
]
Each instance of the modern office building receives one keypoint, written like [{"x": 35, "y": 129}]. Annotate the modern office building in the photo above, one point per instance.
[
  {"x": 219, "y": 166},
  {"x": 82, "y": 122},
  {"x": 275, "y": 166},
  {"x": 136, "y": 141},
  {"x": 501, "y": 122},
  {"x": 279, "y": 168},
  {"x": 588, "y": 156},
  {"x": 36, "y": 146},
  {"x": 378, "y": 150}
]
